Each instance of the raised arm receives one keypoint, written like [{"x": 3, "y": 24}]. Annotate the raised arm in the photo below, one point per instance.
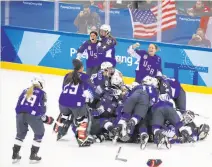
[
  {"x": 81, "y": 49},
  {"x": 132, "y": 52}
]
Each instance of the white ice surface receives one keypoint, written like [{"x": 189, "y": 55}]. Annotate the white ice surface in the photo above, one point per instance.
[{"x": 66, "y": 153}]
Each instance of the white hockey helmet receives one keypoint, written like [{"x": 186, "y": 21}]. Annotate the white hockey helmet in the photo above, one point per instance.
[
  {"x": 106, "y": 65},
  {"x": 134, "y": 84},
  {"x": 150, "y": 81},
  {"x": 38, "y": 80},
  {"x": 106, "y": 28}
]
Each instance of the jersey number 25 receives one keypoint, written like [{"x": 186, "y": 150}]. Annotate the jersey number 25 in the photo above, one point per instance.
[{"x": 71, "y": 89}]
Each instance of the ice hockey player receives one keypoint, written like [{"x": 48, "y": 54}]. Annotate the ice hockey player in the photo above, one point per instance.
[
  {"x": 93, "y": 62},
  {"x": 162, "y": 111},
  {"x": 197, "y": 132},
  {"x": 76, "y": 91},
  {"x": 30, "y": 111},
  {"x": 173, "y": 88},
  {"x": 106, "y": 46},
  {"x": 149, "y": 62},
  {"x": 135, "y": 108},
  {"x": 106, "y": 107},
  {"x": 102, "y": 80}
]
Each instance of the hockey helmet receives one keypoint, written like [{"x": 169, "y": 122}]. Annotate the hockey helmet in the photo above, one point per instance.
[
  {"x": 148, "y": 80},
  {"x": 106, "y": 65},
  {"x": 38, "y": 80}
]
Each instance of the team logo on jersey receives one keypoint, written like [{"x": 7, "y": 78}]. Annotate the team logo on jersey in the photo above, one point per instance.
[
  {"x": 109, "y": 42},
  {"x": 145, "y": 56},
  {"x": 89, "y": 47}
]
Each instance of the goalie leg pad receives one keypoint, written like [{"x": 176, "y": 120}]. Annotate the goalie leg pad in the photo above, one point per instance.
[{"x": 81, "y": 132}]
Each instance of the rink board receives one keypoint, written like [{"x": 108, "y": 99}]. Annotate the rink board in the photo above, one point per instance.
[
  {"x": 62, "y": 72},
  {"x": 52, "y": 52}
]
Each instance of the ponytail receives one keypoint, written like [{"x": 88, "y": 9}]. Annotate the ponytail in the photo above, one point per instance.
[
  {"x": 113, "y": 39},
  {"x": 30, "y": 91},
  {"x": 73, "y": 78}
]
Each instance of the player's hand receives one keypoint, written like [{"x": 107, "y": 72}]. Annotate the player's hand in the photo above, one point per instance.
[
  {"x": 48, "y": 120},
  {"x": 136, "y": 45}
]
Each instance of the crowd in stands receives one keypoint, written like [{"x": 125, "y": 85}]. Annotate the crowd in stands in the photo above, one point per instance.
[
  {"x": 191, "y": 8},
  {"x": 88, "y": 21}
]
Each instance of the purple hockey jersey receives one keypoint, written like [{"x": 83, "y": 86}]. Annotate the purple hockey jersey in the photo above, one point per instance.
[
  {"x": 106, "y": 50},
  {"x": 99, "y": 79},
  {"x": 94, "y": 59},
  {"x": 175, "y": 87},
  {"x": 73, "y": 95},
  {"x": 148, "y": 65},
  {"x": 34, "y": 105},
  {"x": 150, "y": 90}
]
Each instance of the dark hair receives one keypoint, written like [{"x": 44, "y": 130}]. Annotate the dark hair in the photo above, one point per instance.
[
  {"x": 156, "y": 46},
  {"x": 73, "y": 77},
  {"x": 94, "y": 32}
]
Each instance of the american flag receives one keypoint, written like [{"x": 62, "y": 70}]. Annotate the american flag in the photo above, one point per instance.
[{"x": 145, "y": 21}]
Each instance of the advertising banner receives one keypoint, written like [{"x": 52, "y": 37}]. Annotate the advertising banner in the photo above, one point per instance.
[{"x": 189, "y": 65}]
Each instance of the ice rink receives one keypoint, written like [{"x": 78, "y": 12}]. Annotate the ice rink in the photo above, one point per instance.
[{"x": 66, "y": 153}]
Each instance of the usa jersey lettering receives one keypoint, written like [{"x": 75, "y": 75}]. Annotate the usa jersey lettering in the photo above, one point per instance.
[
  {"x": 90, "y": 49},
  {"x": 148, "y": 65}
]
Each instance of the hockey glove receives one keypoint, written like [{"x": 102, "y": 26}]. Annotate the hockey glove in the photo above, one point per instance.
[{"x": 47, "y": 120}]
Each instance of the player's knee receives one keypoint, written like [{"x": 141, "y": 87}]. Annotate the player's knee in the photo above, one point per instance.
[
  {"x": 38, "y": 137},
  {"x": 21, "y": 136}
]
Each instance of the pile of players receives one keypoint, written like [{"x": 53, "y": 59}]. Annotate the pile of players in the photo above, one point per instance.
[
  {"x": 152, "y": 111},
  {"x": 99, "y": 106}
]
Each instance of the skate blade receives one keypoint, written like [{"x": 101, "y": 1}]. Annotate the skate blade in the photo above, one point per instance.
[
  {"x": 15, "y": 161},
  {"x": 159, "y": 145},
  {"x": 168, "y": 144},
  {"x": 143, "y": 144},
  {"x": 115, "y": 139},
  {"x": 34, "y": 161}
]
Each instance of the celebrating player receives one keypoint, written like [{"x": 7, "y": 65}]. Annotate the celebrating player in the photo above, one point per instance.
[
  {"x": 94, "y": 60},
  {"x": 30, "y": 110},
  {"x": 149, "y": 62},
  {"x": 106, "y": 46},
  {"x": 76, "y": 92}
]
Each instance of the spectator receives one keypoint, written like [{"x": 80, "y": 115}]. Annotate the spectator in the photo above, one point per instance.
[
  {"x": 87, "y": 21},
  {"x": 199, "y": 39},
  {"x": 208, "y": 3},
  {"x": 143, "y": 5},
  {"x": 199, "y": 9},
  {"x": 122, "y": 4},
  {"x": 93, "y": 3}
]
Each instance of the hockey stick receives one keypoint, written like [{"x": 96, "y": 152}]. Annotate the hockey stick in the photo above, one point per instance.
[
  {"x": 202, "y": 116},
  {"x": 117, "y": 156}
]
